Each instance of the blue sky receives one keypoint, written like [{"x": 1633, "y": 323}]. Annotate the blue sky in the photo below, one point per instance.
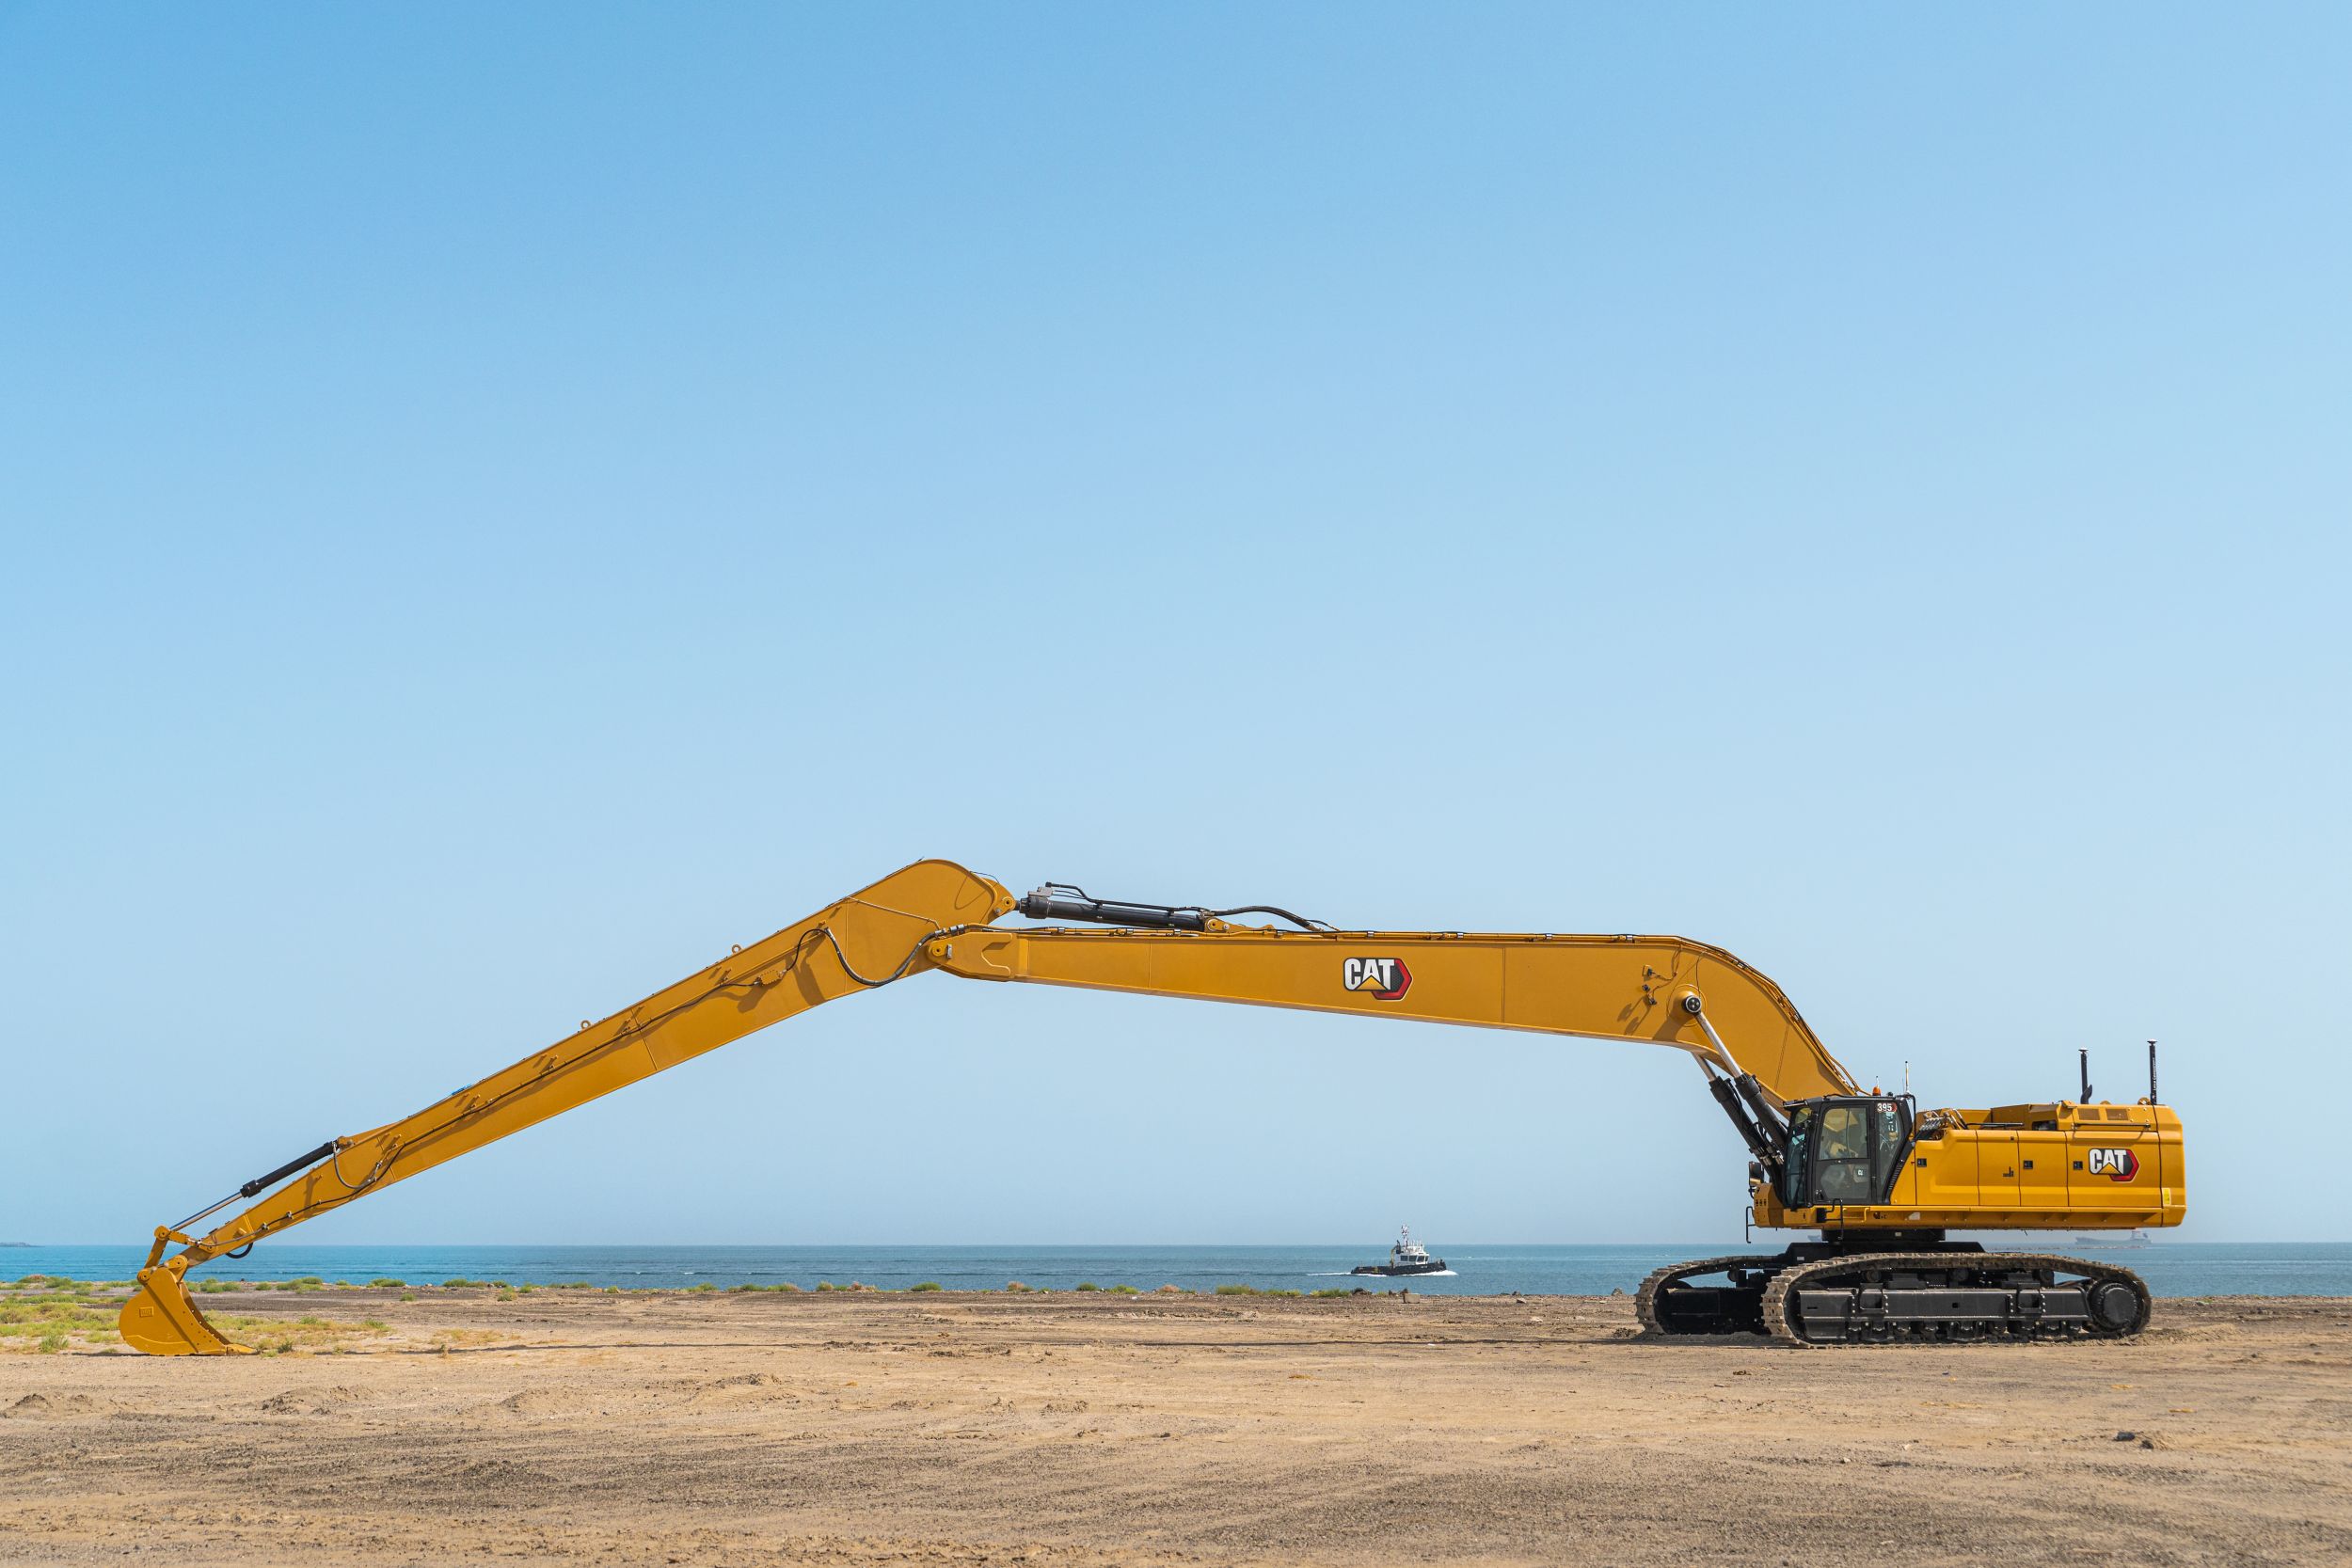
[{"x": 500, "y": 504}]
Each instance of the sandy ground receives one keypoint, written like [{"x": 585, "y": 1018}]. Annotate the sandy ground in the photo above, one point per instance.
[{"x": 573, "y": 1427}]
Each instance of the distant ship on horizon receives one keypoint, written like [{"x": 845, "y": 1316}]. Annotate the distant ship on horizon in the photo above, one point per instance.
[
  {"x": 2112, "y": 1241},
  {"x": 1408, "y": 1257}
]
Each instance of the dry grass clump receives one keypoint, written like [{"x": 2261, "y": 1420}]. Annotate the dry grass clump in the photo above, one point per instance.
[{"x": 46, "y": 1315}]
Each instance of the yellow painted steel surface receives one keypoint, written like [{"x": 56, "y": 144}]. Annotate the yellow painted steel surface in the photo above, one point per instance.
[
  {"x": 1626, "y": 987},
  {"x": 2057, "y": 1166},
  {"x": 870, "y": 937},
  {"x": 2011, "y": 1168}
]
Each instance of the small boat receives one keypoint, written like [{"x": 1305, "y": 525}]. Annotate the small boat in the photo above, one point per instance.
[{"x": 1406, "y": 1256}]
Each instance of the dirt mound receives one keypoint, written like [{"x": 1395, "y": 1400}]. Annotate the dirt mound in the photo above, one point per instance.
[
  {"x": 761, "y": 1385},
  {"x": 311, "y": 1401},
  {"x": 40, "y": 1407}
]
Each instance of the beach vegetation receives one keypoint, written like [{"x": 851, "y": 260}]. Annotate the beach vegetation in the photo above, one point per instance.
[
  {"x": 827, "y": 1285},
  {"x": 1125, "y": 1290},
  {"x": 392, "y": 1284},
  {"x": 1330, "y": 1290},
  {"x": 1290, "y": 1294},
  {"x": 701, "y": 1289},
  {"x": 787, "y": 1285},
  {"x": 461, "y": 1283},
  {"x": 1236, "y": 1291},
  {"x": 52, "y": 1343},
  {"x": 1088, "y": 1284},
  {"x": 1014, "y": 1287},
  {"x": 926, "y": 1285}
]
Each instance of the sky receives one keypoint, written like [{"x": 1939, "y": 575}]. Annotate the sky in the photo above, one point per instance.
[{"x": 499, "y": 504}]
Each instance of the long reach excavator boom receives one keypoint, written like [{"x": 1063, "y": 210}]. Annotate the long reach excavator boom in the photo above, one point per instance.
[{"x": 1879, "y": 1179}]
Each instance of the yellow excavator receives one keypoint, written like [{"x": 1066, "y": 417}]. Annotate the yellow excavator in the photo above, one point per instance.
[{"x": 1880, "y": 1182}]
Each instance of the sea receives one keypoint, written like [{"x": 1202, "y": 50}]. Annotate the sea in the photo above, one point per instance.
[{"x": 2170, "y": 1268}]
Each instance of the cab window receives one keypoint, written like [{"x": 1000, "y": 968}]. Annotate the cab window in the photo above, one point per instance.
[{"x": 1842, "y": 1172}]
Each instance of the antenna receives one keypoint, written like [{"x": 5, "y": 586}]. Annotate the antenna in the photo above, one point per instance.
[
  {"x": 2086, "y": 1055},
  {"x": 2152, "y": 1072}
]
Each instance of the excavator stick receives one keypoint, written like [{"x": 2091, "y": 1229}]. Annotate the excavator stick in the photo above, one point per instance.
[{"x": 872, "y": 938}]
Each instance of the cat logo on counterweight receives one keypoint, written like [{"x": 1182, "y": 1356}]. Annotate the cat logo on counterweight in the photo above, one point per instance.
[
  {"x": 1386, "y": 978},
  {"x": 2115, "y": 1165}
]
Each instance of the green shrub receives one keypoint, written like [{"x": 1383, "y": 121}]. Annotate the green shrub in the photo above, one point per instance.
[
  {"x": 735, "y": 1288},
  {"x": 501, "y": 1284},
  {"x": 394, "y": 1284},
  {"x": 1332, "y": 1290},
  {"x": 1088, "y": 1284},
  {"x": 308, "y": 1279},
  {"x": 525, "y": 1290},
  {"x": 308, "y": 1322},
  {"x": 926, "y": 1285},
  {"x": 1125, "y": 1290},
  {"x": 827, "y": 1285},
  {"x": 52, "y": 1343},
  {"x": 1235, "y": 1291},
  {"x": 576, "y": 1284},
  {"x": 461, "y": 1283},
  {"x": 376, "y": 1324},
  {"x": 787, "y": 1285},
  {"x": 1292, "y": 1294},
  {"x": 702, "y": 1289},
  {"x": 407, "y": 1295}
]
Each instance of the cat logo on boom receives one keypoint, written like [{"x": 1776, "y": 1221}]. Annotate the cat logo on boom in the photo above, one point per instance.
[
  {"x": 2115, "y": 1165},
  {"x": 1386, "y": 978}
]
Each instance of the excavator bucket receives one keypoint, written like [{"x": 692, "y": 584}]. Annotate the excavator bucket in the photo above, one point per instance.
[{"x": 161, "y": 1318}]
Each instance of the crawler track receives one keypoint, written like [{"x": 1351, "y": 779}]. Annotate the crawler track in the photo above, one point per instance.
[
  {"x": 1663, "y": 1309},
  {"x": 1894, "y": 1297}
]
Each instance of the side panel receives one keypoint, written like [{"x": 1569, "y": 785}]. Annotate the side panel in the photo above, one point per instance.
[
  {"x": 1996, "y": 1168},
  {"x": 2041, "y": 1162}
]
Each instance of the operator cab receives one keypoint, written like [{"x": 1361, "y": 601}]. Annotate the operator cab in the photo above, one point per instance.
[{"x": 1844, "y": 1149}]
